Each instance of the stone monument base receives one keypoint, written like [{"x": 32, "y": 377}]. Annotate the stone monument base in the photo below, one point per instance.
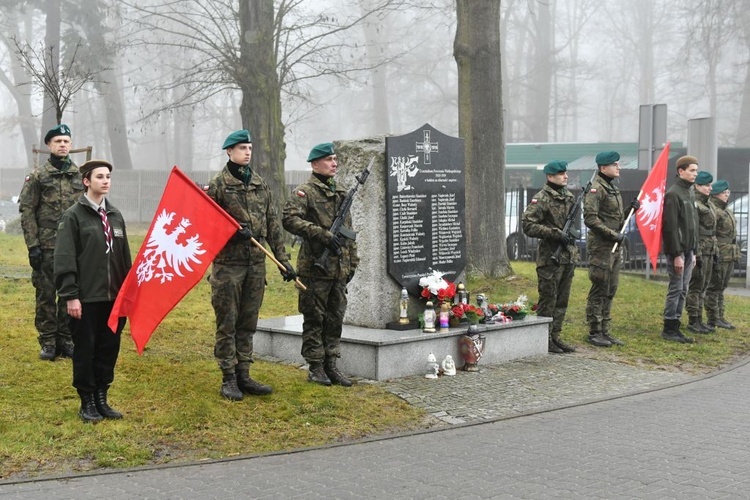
[{"x": 381, "y": 354}]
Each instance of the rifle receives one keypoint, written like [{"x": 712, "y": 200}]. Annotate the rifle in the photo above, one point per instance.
[
  {"x": 570, "y": 220},
  {"x": 338, "y": 228}
]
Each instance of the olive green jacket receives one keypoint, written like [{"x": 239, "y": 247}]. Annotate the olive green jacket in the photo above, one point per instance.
[{"x": 544, "y": 218}]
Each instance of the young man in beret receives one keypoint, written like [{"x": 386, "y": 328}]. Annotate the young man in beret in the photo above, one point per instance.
[
  {"x": 728, "y": 252},
  {"x": 238, "y": 275},
  {"x": 679, "y": 243},
  {"x": 47, "y": 192},
  {"x": 544, "y": 218},
  {"x": 604, "y": 214},
  {"x": 309, "y": 214},
  {"x": 707, "y": 249}
]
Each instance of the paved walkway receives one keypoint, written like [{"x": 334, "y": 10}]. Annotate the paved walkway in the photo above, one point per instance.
[{"x": 685, "y": 441}]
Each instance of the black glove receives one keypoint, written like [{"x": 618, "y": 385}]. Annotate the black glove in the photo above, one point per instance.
[
  {"x": 716, "y": 259},
  {"x": 244, "y": 233},
  {"x": 619, "y": 237},
  {"x": 698, "y": 262},
  {"x": 334, "y": 244},
  {"x": 635, "y": 204},
  {"x": 350, "y": 276},
  {"x": 563, "y": 237},
  {"x": 35, "y": 258},
  {"x": 288, "y": 274}
]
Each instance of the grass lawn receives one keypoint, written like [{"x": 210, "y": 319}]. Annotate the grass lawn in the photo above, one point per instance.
[{"x": 170, "y": 395}]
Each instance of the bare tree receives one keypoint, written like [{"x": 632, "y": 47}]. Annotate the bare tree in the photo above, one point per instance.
[
  {"x": 57, "y": 84},
  {"x": 477, "y": 52}
]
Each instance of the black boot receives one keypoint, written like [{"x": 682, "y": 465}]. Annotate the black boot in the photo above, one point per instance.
[
  {"x": 696, "y": 326},
  {"x": 552, "y": 347},
  {"x": 335, "y": 375},
  {"x": 88, "y": 411},
  {"x": 672, "y": 332},
  {"x": 722, "y": 323},
  {"x": 48, "y": 352},
  {"x": 250, "y": 386},
  {"x": 598, "y": 339},
  {"x": 229, "y": 387},
  {"x": 317, "y": 374},
  {"x": 106, "y": 411},
  {"x": 559, "y": 343}
]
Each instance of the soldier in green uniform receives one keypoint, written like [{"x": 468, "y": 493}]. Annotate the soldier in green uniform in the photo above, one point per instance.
[
  {"x": 47, "y": 192},
  {"x": 544, "y": 218},
  {"x": 707, "y": 251},
  {"x": 309, "y": 214},
  {"x": 729, "y": 253},
  {"x": 604, "y": 215},
  {"x": 238, "y": 275}
]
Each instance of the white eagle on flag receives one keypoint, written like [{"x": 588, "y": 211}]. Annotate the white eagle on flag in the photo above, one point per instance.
[
  {"x": 651, "y": 207},
  {"x": 164, "y": 256}
]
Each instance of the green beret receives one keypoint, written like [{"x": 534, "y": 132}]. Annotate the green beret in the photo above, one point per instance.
[
  {"x": 556, "y": 167},
  {"x": 61, "y": 129},
  {"x": 704, "y": 178},
  {"x": 607, "y": 157},
  {"x": 684, "y": 161},
  {"x": 719, "y": 186},
  {"x": 92, "y": 164},
  {"x": 238, "y": 137},
  {"x": 321, "y": 151}
]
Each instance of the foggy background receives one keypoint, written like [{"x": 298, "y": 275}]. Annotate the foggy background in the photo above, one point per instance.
[{"x": 573, "y": 71}]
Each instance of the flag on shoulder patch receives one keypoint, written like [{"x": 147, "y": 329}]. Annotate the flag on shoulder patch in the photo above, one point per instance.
[
  {"x": 27, "y": 178},
  {"x": 301, "y": 194},
  {"x": 593, "y": 190},
  {"x": 533, "y": 201}
]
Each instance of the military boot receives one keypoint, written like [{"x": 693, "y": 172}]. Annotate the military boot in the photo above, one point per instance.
[
  {"x": 317, "y": 374},
  {"x": 552, "y": 347},
  {"x": 48, "y": 352},
  {"x": 555, "y": 336},
  {"x": 334, "y": 374},
  {"x": 67, "y": 349},
  {"x": 607, "y": 335},
  {"x": 88, "y": 411},
  {"x": 106, "y": 411},
  {"x": 229, "y": 387},
  {"x": 685, "y": 339},
  {"x": 250, "y": 386},
  {"x": 598, "y": 339},
  {"x": 695, "y": 325},
  {"x": 672, "y": 332},
  {"x": 722, "y": 323},
  {"x": 709, "y": 329}
]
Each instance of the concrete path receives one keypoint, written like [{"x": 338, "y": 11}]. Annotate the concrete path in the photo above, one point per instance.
[{"x": 686, "y": 441}]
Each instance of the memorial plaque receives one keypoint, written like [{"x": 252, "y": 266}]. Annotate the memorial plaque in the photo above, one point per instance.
[{"x": 425, "y": 200}]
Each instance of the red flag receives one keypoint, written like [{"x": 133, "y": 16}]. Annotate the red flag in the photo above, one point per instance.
[
  {"x": 187, "y": 232},
  {"x": 648, "y": 217}
]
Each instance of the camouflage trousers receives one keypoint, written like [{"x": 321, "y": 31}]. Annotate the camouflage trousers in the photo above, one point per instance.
[
  {"x": 554, "y": 291},
  {"x": 236, "y": 296},
  {"x": 604, "y": 283},
  {"x": 51, "y": 316},
  {"x": 323, "y": 305},
  {"x": 715, "y": 292},
  {"x": 699, "y": 282}
]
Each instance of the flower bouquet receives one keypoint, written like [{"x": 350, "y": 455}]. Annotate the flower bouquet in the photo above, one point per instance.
[
  {"x": 436, "y": 288},
  {"x": 469, "y": 311},
  {"x": 518, "y": 309}
]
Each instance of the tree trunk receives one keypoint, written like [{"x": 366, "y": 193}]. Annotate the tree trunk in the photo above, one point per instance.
[
  {"x": 480, "y": 122},
  {"x": 51, "y": 116},
  {"x": 261, "y": 94}
]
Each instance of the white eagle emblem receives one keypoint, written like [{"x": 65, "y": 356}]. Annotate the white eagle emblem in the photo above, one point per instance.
[
  {"x": 164, "y": 255},
  {"x": 651, "y": 208}
]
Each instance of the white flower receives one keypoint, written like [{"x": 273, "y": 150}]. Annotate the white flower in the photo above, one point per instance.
[
  {"x": 433, "y": 282},
  {"x": 521, "y": 301}
]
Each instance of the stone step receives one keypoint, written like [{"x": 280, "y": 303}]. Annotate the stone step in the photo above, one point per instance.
[{"x": 380, "y": 354}]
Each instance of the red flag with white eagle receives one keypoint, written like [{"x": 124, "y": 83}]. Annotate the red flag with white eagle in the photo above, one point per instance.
[
  {"x": 187, "y": 232},
  {"x": 648, "y": 217}
]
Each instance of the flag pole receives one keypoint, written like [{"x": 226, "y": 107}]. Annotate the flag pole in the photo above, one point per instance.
[
  {"x": 627, "y": 220},
  {"x": 297, "y": 282}
]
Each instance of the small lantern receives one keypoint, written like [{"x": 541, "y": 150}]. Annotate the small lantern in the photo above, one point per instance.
[
  {"x": 444, "y": 317},
  {"x": 403, "y": 307},
  {"x": 462, "y": 294},
  {"x": 429, "y": 317}
]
